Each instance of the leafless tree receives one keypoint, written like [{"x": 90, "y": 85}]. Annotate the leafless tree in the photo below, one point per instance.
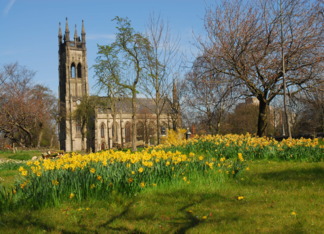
[
  {"x": 161, "y": 62},
  {"x": 83, "y": 114},
  {"x": 310, "y": 113},
  {"x": 130, "y": 51},
  {"x": 244, "y": 42},
  {"x": 209, "y": 94},
  {"x": 107, "y": 72},
  {"x": 25, "y": 109}
]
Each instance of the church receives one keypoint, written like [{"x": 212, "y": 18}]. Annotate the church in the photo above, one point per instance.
[{"x": 107, "y": 129}]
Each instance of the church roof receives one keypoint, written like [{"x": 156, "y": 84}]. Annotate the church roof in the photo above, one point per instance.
[{"x": 124, "y": 105}]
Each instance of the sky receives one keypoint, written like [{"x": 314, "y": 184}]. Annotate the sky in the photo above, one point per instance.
[{"x": 29, "y": 29}]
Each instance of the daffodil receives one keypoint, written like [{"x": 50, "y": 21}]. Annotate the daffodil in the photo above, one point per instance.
[
  {"x": 55, "y": 182},
  {"x": 141, "y": 169},
  {"x": 240, "y": 198},
  {"x": 240, "y": 157}
]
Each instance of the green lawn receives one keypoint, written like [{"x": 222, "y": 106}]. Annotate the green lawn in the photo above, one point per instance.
[
  {"x": 278, "y": 197},
  {"x": 10, "y": 162},
  {"x": 19, "y": 155}
]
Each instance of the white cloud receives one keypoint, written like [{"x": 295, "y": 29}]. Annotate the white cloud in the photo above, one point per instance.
[{"x": 8, "y": 7}]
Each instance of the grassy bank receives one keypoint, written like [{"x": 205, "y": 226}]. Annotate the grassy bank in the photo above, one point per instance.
[
  {"x": 19, "y": 154},
  {"x": 211, "y": 184},
  {"x": 275, "y": 197},
  {"x": 10, "y": 162}
]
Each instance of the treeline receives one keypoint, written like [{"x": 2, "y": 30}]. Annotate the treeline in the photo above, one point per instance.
[
  {"x": 269, "y": 50},
  {"x": 27, "y": 111}
]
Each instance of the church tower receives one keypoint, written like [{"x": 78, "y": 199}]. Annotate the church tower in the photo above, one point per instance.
[{"x": 73, "y": 85}]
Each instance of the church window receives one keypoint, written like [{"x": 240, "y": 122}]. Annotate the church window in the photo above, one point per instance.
[
  {"x": 73, "y": 70},
  {"x": 128, "y": 132},
  {"x": 78, "y": 128},
  {"x": 140, "y": 131},
  {"x": 163, "y": 131},
  {"x": 114, "y": 131},
  {"x": 102, "y": 131},
  {"x": 79, "y": 70}
]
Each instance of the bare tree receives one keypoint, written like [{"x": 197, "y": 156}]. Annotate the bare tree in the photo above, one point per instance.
[
  {"x": 83, "y": 115},
  {"x": 107, "y": 71},
  {"x": 25, "y": 109},
  {"x": 244, "y": 43},
  {"x": 209, "y": 94},
  {"x": 45, "y": 112},
  {"x": 131, "y": 50},
  {"x": 161, "y": 62},
  {"x": 310, "y": 114}
]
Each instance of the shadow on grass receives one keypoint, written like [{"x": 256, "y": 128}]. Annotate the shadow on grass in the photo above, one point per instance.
[
  {"x": 183, "y": 201},
  {"x": 170, "y": 209},
  {"x": 178, "y": 201},
  {"x": 25, "y": 221},
  {"x": 107, "y": 225},
  {"x": 313, "y": 175}
]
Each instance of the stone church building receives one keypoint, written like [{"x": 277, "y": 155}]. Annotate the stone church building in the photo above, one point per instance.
[{"x": 102, "y": 133}]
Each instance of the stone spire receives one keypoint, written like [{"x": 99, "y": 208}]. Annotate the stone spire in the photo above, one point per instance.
[
  {"x": 75, "y": 33},
  {"x": 83, "y": 32},
  {"x": 67, "y": 31},
  {"x": 60, "y": 34}
]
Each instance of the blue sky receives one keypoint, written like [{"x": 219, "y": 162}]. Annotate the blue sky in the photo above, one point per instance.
[{"x": 29, "y": 28}]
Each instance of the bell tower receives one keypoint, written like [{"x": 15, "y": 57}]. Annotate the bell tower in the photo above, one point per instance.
[{"x": 73, "y": 85}]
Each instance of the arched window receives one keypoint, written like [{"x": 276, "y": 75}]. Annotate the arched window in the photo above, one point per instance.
[
  {"x": 102, "y": 131},
  {"x": 79, "y": 73},
  {"x": 150, "y": 133},
  {"x": 78, "y": 128},
  {"x": 114, "y": 131},
  {"x": 163, "y": 131},
  {"x": 128, "y": 132},
  {"x": 103, "y": 146},
  {"x": 140, "y": 131},
  {"x": 73, "y": 70}
]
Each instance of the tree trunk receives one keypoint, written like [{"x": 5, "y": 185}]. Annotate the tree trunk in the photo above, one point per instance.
[
  {"x": 262, "y": 118},
  {"x": 51, "y": 142},
  {"x": 28, "y": 135},
  {"x": 158, "y": 128},
  {"x": 134, "y": 130},
  {"x": 114, "y": 128},
  {"x": 121, "y": 130},
  {"x": 157, "y": 112},
  {"x": 209, "y": 122},
  {"x": 82, "y": 140},
  {"x": 40, "y": 137}
]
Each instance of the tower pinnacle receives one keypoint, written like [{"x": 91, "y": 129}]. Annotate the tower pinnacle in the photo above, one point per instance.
[
  {"x": 60, "y": 34},
  {"x": 67, "y": 31},
  {"x": 83, "y": 32},
  {"x": 75, "y": 33}
]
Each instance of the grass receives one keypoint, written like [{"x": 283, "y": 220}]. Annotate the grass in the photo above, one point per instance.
[
  {"x": 9, "y": 172},
  {"x": 10, "y": 162},
  {"x": 20, "y": 154},
  {"x": 278, "y": 197}
]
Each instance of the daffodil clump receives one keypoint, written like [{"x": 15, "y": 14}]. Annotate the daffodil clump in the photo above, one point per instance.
[
  {"x": 96, "y": 175},
  {"x": 230, "y": 145},
  {"x": 77, "y": 177}
]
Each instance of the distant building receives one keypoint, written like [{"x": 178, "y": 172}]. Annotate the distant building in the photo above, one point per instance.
[
  {"x": 73, "y": 86},
  {"x": 249, "y": 110}
]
